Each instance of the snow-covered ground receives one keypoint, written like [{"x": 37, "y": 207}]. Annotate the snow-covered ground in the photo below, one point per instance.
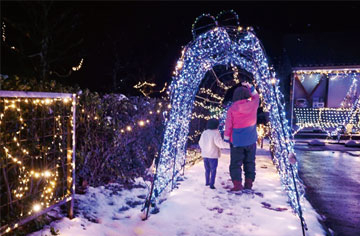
[{"x": 192, "y": 209}]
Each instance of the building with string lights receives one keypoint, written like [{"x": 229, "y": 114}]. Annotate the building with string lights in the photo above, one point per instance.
[{"x": 323, "y": 75}]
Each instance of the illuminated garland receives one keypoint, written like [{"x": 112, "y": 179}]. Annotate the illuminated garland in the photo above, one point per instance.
[
  {"x": 328, "y": 71},
  {"x": 232, "y": 12},
  {"x": 350, "y": 94},
  {"x": 16, "y": 154},
  {"x": 77, "y": 68},
  {"x": 215, "y": 47},
  {"x": 3, "y": 35},
  {"x": 164, "y": 88},
  {"x": 140, "y": 86},
  {"x": 193, "y": 27},
  {"x": 216, "y": 111},
  {"x": 211, "y": 94},
  {"x": 236, "y": 74},
  {"x": 207, "y": 107}
]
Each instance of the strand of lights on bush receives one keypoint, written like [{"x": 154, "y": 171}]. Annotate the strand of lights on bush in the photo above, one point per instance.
[
  {"x": 77, "y": 68},
  {"x": 216, "y": 47},
  {"x": 25, "y": 174},
  {"x": 3, "y": 35},
  {"x": 143, "y": 123}
]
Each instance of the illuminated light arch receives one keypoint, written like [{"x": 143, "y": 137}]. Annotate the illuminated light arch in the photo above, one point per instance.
[{"x": 223, "y": 46}]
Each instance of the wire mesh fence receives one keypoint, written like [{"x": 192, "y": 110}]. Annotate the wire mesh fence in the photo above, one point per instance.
[{"x": 37, "y": 140}]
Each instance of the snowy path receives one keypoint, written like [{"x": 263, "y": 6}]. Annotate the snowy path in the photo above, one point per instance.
[{"x": 193, "y": 209}]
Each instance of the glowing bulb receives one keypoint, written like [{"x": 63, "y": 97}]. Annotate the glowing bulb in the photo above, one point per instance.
[
  {"x": 179, "y": 65},
  {"x": 273, "y": 81},
  {"x": 128, "y": 128},
  {"x": 141, "y": 123},
  {"x": 37, "y": 207}
]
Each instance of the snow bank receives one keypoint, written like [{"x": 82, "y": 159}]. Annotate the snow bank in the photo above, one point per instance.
[{"x": 193, "y": 209}]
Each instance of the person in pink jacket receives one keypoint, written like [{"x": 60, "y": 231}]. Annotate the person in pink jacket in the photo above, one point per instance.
[
  {"x": 210, "y": 144},
  {"x": 240, "y": 131}
]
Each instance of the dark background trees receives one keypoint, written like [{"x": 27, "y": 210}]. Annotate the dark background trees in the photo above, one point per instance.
[{"x": 41, "y": 40}]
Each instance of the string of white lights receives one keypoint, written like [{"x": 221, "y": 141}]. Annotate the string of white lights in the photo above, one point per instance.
[{"x": 15, "y": 154}]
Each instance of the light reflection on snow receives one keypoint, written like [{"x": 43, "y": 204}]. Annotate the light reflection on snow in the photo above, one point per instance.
[{"x": 292, "y": 227}]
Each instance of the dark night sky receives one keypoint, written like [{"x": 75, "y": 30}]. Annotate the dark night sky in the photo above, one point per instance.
[{"x": 152, "y": 33}]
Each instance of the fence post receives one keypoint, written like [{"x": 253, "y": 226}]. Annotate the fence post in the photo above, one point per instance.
[{"x": 71, "y": 128}]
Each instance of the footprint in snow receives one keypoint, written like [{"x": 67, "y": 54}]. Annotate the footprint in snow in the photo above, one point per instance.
[
  {"x": 218, "y": 209},
  {"x": 182, "y": 232},
  {"x": 268, "y": 206}
]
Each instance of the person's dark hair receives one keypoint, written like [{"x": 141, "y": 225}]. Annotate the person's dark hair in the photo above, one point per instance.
[
  {"x": 212, "y": 124},
  {"x": 241, "y": 93}
]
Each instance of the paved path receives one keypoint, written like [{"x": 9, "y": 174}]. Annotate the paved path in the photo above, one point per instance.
[{"x": 333, "y": 187}]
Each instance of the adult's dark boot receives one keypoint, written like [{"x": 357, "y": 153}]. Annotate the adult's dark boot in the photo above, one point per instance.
[
  {"x": 248, "y": 183},
  {"x": 237, "y": 186}
]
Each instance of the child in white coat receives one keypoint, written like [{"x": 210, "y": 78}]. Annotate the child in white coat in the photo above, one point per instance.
[{"x": 210, "y": 144}]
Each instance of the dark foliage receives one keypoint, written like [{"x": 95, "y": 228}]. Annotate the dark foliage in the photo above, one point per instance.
[
  {"x": 103, "y": 153},
  {"x": 106, "y": 150}
]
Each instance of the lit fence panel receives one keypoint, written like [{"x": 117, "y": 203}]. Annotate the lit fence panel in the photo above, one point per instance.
[
  {"x": 327, "y": 118},
  {"x": 37, "y": 155}
]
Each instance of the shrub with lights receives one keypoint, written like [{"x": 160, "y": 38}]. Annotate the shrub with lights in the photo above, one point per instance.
[
  {"x": 117, "y": 140},
  {"x": 232, "y": 46},
  {"x": 120, "y": 137}
]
